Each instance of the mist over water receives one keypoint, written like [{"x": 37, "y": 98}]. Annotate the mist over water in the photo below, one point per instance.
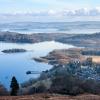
[{"x": 52, "y": 27}]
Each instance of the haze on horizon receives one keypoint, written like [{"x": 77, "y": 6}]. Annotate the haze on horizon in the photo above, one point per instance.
[{"x": 49, "y": 10}]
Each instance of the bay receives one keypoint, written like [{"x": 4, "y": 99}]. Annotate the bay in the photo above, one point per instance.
[{"x": 17, "y": 64}]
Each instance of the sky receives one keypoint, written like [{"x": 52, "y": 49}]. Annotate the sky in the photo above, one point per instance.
[
  {"x": 32, "y": 5},
  {"x": 49, "y": 9}
]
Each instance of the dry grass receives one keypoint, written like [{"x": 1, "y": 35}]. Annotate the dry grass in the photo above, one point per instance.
[
  {"x": 96, "y": 59},
  {"x": 52, "y": 97}
]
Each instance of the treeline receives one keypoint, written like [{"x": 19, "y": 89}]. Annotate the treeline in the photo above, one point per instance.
[
  {"x": 91, "y": 52},
  {"x": 69, "y": 79},
  {"x": 63, "y": 84},
  {"x": 71, "y": 85}
]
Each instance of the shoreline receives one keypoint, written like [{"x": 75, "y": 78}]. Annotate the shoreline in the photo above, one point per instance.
[{"x": 64, "y": 56}]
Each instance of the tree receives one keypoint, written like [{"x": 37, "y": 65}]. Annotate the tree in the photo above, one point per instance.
[
  {"x": 89, "y": 62},
  {"x": 14, "y": 86}
]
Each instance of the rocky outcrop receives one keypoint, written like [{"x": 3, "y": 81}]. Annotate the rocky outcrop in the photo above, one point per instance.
[{"x": 40, "y": 60}]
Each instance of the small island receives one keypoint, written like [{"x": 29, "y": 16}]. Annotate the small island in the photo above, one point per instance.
[{"x": 14, "y": 50}]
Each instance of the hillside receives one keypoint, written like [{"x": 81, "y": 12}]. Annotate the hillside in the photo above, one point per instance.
[
  {"x": 30, "y": 38},
  {"x": 81, "y": 40}
]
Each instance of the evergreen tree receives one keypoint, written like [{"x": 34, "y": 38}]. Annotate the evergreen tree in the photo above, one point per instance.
[{"x": 14, "y": 86}]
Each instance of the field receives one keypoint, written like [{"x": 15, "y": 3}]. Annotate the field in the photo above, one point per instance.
[{"x": 96, "y": 59}]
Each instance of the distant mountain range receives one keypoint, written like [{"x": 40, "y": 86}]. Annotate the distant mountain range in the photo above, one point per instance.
[{"x": 52, "y": 27}]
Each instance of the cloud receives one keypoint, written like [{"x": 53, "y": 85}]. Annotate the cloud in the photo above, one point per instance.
[
  {"x": 53, "y": 15},
  {"x": 82, "y": 12},
  {"x": 78, "y": 12}
]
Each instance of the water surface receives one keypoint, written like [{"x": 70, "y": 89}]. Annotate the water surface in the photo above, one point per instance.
[{"x": 18, "y": 64}]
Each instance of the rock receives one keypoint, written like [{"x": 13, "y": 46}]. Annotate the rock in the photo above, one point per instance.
[{"x": 40, "y": 60}]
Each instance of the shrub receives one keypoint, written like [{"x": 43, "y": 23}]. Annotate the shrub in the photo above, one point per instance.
[
  {"x": 66, "y": 85},
  {"x": 73, "y": 86},
  {"x": 3, "y": 90}
]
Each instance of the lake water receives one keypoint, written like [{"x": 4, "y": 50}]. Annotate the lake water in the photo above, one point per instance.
[{"x": 18, "y": 64}]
